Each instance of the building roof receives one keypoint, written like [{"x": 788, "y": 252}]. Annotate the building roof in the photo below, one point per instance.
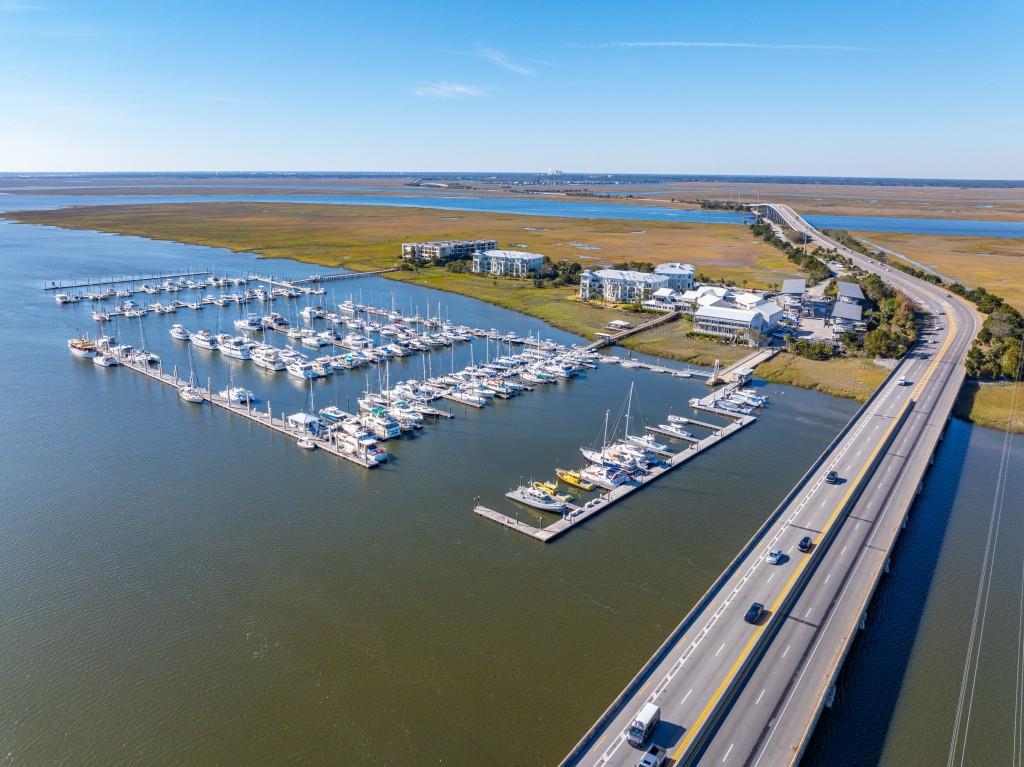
[
  {"x": 619, "y": 274},
  {"x": 844, "y": 311},
  {"x": 516, "y": 255},
  {"x": 794, "y": 287},
  {"x": 442, "y": 243},
  {"x": 849, "y": 290},
  {"x": 747, "y": 300},
  {"x": 664, "y": 293},
  {"x": 726, "y": 313},
  {"x": 768, "y": 309},
  {"x": 674, "y": 269},
  {"x": 712, "y": 290}
]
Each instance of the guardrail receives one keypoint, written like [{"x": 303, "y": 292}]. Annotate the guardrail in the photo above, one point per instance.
[
  {"x": 776, "y": 621},
  {"x": 616, "y": 706}
]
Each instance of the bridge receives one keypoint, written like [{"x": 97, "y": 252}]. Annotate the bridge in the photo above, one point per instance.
[{"x": 733, "y": 692}]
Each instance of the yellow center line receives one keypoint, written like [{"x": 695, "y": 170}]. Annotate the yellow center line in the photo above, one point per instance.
[{"x": 745, "y": 653}]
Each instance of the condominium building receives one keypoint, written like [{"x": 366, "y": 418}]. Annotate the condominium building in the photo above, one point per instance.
[
  {"x": 445, "y": 250},
  {"x": 620, "y": 286},
  {"x": 680, "y": 276},
  {"x": 507, "y": 263}
]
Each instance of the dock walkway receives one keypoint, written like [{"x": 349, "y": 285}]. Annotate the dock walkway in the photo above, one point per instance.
[
  {"x": 92, "y": 283},
  {"x": 603, "y": 501},
  {"x": 263, "y": 417}
]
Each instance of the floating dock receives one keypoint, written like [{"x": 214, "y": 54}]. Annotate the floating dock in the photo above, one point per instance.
[
  {"x": 93, "y": 283},
  {"x": 264, "y": 417},
  {"x": 601, "y": 502}
]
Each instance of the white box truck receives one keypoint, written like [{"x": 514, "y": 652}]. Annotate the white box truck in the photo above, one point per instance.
[{"x": 643, "y": 725}]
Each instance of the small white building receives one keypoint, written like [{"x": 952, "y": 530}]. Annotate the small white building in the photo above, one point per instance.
[
  {"x": 507, "y": 263},
  {"x": 722, "y": 319},
  {"x": 662, "y": 300},
  {"x": 440, "y": 251},
  {"x": 705, "y": 295},
  {"x": 680, "y": 276},
  {"x": 619, "y": 286}
]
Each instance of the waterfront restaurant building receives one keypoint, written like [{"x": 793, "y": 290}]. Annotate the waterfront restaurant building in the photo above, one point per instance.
[
  {"x": 507, "y": 263},
  {"x": 619, "y": 286},
  {"x": 440, "y": 251}
]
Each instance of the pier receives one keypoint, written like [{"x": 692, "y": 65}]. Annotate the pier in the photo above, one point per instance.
[
  {"x": 577, "y": 514},
  {"x": 263, "y": 417},
  {"x": 93, "y": 283},
  {"x": 735, "y": 371},
  {"x": 615, "y": 338},
  {"x": 317, "y": 278}
]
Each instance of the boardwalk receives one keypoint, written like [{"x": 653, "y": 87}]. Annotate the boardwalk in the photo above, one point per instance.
[{"x": 613, "y": 339}]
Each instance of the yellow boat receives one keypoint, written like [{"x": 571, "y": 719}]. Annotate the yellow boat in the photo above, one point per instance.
[
  {"x": 551, "y": 488},
  {"x": 570, "y": 477}
]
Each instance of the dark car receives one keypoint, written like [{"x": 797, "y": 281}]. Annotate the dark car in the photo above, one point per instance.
[
  {"x": 832, "y": 477},
  {"x": 805, "y": 544},
  {"x": 754, "y": 613}
]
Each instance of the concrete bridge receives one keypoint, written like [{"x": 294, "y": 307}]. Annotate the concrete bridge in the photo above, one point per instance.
[{"x": 734, "y": 692}]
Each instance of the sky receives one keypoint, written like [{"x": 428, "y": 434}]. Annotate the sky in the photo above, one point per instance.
[{"x": 897, "y": 89}]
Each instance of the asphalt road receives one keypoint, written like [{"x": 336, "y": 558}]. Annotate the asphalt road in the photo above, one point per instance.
[{"x": 735, "y": 693}]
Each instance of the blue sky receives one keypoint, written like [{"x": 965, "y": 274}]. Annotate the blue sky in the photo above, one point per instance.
[{"x": 864, "y": 89}]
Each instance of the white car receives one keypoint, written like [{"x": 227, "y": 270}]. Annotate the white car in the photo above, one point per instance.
[
  {"x": 774, "y": 556},
  {"x": 902, "y": 381}
]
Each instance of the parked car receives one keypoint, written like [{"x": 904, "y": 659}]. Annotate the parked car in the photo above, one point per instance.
[
  {"x": 754, "y": 613},
  {"x": 805, "y": 544}
]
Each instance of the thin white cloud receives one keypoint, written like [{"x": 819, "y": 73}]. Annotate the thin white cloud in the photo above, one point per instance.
[
  {"x": 722, "y": 44},
  {"x": 503, "y": 61},
  {"x": 442, "y": 89}
]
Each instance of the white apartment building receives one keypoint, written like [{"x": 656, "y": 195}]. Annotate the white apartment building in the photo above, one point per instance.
[
  {"x": 440, "y": 251},
  {"x": 507, "y": 263},
  {"x": 680, "y": 276},
  {"x": 620, "y": 286}
]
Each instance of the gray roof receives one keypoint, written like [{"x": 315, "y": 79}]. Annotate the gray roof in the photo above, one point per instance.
[
  {"x": 794, "y": 287},
  {"x": 850, "y": 290},
  {"x": 843, "y": 311}
]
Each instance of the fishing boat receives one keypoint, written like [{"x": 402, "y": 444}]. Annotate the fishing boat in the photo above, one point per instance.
[
  {"x": 675, "y": 430},
  {"x": 180, "y": 332},
  {"x": 551, "y": 488},
  {"x": 82, "y": 347},
  {"x": 538, "y": 499},
  {"x": 333, "y": 413},
  {"x": 604, "y": 476},
  {"x": 236, "y": 395},
  {"x": 647, "y": 442},
  {"x": 574, "y": 478}
]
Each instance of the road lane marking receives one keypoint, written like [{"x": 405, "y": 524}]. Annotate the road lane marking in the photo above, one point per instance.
[
  {"x": 760, "y": 696},
  {"x": 720, "y": 649},
  {"x": 686, "y": 696},
  {"x": 729, "y": 751},
  {"x": 786, "y": 651}
]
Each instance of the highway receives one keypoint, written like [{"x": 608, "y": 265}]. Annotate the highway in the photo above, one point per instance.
[{"x": 735, "y": 693}]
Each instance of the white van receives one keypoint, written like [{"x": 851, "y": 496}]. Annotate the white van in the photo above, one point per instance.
[{"x": 643, "y": 725}]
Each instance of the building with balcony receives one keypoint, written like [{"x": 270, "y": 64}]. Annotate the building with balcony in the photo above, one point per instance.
[{"x": 507, "y": 263}]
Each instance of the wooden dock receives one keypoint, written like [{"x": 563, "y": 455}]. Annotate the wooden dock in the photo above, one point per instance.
[
  {"x": 93, "y": 283},
  {"x": 263, "y": 417},
  {"x": 577, "y": 514},
  {"x": 317, "y": 278}
]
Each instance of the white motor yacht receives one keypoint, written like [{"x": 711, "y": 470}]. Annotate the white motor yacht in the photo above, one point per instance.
[
  {"x": 237, "y": 347},
  {"x": 268, "y": 358},
  {"x": 204, "y": 339},
  {"x": 537, "y": 498},
  {"x": 180, "y": 332}
]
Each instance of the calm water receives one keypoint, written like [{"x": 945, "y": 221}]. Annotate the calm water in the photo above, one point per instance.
[
  {"x": 181, "y": 586},
  {"x": 540, "y": 207}
]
